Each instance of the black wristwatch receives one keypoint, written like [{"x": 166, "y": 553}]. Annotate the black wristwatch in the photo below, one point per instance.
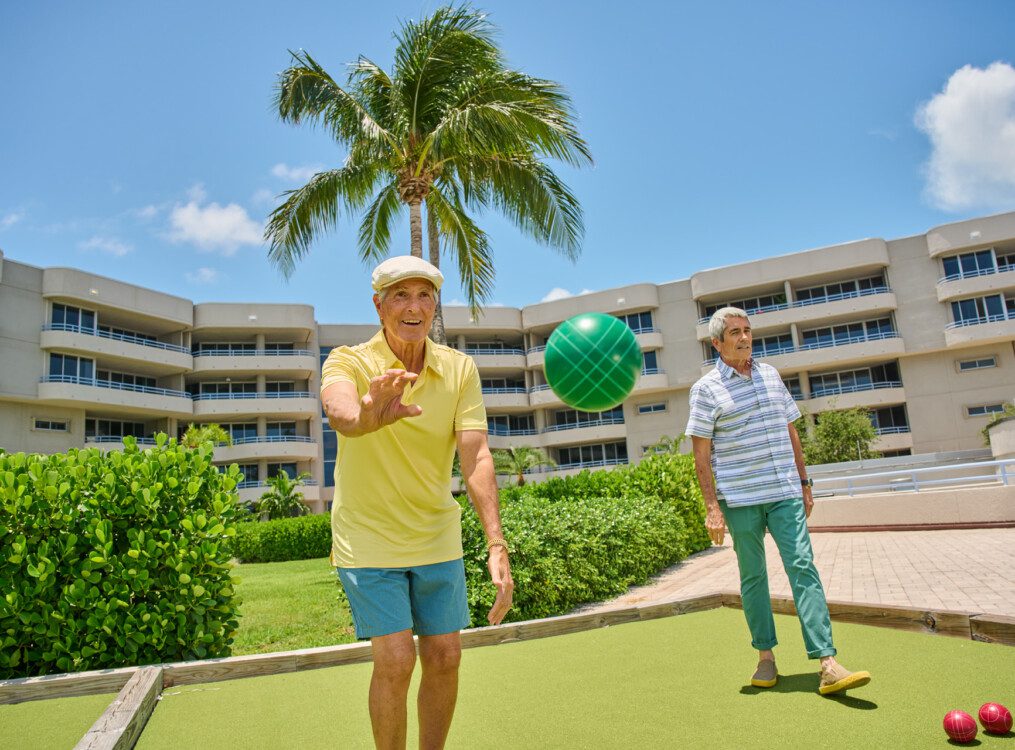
[{"x": 808, "y": 482}]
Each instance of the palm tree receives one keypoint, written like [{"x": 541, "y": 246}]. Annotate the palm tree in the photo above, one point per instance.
[
  {"x": 518, "y": 460},
  {"x": 452, "y": 127},
  {"x": 284, "y": 498},
  {"x": 197, "y": 434}
]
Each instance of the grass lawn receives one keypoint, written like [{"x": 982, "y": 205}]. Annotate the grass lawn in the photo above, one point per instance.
[{"x": 290, "y": 605}]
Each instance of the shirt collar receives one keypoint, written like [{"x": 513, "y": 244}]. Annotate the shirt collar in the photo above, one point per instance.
[
  {"x": 387, "y": 359},
  {"x": 728, "y": 373}
]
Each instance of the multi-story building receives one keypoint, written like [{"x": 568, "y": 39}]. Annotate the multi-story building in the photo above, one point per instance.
[{"x": 920, "y": 330}]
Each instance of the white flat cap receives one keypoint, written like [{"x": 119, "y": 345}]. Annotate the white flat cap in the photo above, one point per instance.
[{"x": 405, "y": 267}]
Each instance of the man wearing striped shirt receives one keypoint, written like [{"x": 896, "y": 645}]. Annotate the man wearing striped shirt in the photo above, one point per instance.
[{"x": 750, "y": 466}]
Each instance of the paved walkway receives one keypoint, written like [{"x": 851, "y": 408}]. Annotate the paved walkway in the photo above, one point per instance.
[{"x": 970, "y": 570}]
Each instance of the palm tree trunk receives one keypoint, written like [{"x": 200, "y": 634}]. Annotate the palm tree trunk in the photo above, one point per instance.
[
  {"x": 437, "y": 332},
  {"x": 416, "y": 227}
]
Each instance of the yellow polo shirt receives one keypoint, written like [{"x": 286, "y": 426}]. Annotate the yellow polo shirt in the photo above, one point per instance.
[{"x": 393, "y": 505}]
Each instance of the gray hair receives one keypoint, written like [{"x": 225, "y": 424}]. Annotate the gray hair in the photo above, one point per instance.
[
  {"x": 383, "y": 293},
  {"x": 717, "y": 323}
]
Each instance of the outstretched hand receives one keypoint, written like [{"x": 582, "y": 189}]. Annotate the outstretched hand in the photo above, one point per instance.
[{"x": 382, "y": 404}]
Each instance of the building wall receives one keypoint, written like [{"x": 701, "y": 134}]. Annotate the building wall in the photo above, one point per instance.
[{"x": 926, "y": 346}]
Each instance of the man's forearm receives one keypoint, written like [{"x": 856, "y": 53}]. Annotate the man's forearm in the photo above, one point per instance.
[
  {"x": 703, "y": 469},
  {"x": 481, "y": 482}
]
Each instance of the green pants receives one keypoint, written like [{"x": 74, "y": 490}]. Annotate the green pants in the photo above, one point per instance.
[{"x": 788, "y": 525}]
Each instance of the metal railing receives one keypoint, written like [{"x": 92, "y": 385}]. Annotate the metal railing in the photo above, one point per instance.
[
  {"x": 653, "y": 371},
  {"x": 974, "y": 274},
  {"x": 483, "y": 350},
  {"x": 256, "y": 483},
  {"x": 127, "y": 337},
  {"x": 113, "y": 385},
  {"x": 592, "y": 464},
  {"x": 245, "y": 394},
  {"x": 253, "y": 353},
  {"x": 512, "y": 389},
  {"x": 811, "y": 301},
  {"x": 536, "y": 349},
  {"x": 537, "y": 388},
  {"x": 849, "y": 340},
  {"x": 508, "y": 432},
  {"x": 118, "y": 439},
  {"x": 273, "y": 439},
  {"x": 835, "y": 390},
  {"x": 579, "y": 425},
  {"x": 893, "y": 430},
  {"x": 913, "y": 480},
  {"x": 980, "y": 320}
]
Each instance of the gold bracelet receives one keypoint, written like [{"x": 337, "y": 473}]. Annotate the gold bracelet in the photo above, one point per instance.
[{"x": 498, "y": 543}]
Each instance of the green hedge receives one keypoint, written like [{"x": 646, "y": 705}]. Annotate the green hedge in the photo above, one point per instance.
[
  {"x": 300, "y": 538},
  {"x": 116, "y": 559},
  {"x": 589, "y": 537}
]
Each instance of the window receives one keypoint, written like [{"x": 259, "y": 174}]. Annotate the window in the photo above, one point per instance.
[
  {"x": 1006, "y": 262},
  {"x": 330, "y": 456},
  {"x": 967, "y": 265},
  {"x": 500, "y": 384},
  {"x": 977, "y": 364},
  {"x": 793, "y": 386},
  {"x": 248, "y": 473},
  {"x": 126, "y": 378},
  {"x": 280, "y": 387},
  {"x": 984, "y": 410},
  {"x": 850, "y": 381},
  {"x": 770, "y": 345},
  {"x": 890, "y": 419},
  {"x": 275, "y": 469},
  {"x": 225, "y": 347},
  {"x": 113, "y": 428},
  {"x": 978, "y": 310},
  {"x": 848, "y": 333},
  {"x": 651, "y": 408},
  {"x": 599, "y": 453},
  {"x": 841, "y": 290},
  {"x": 650, "y": 363},
  {"x": 65, "y": 366},
  {"x": 66, "y": 317},
  {"x": 579, "y": 418},
  {"x": 279, "y": 348},
  {"x": 506, "y": 424},
  {"x": 123, "y": 333},
  {"x": 241, "y": 430},
  {"x": 224, "y": 389},
  {"x": 752, "y": 305},
  {"x": 281, "y": 429},
  {"x": 51, "y": 425},
  {"x": 638, "y": 322}
]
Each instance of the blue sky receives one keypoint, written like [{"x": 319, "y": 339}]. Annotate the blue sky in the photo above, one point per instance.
[{"x": 137, "y": 140}]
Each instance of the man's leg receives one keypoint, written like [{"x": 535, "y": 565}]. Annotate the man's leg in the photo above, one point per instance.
[
  {"x": 747, "y": 527},
  {"x": 788, "y": 524},
  {"x": 394, "y": 659},
  {"x": 440, "y": 656}
]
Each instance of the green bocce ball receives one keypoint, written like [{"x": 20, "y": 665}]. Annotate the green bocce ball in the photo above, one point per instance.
[{"x": 592, "y": 361}]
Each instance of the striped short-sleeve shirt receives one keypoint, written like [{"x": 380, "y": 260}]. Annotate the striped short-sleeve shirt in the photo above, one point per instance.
[{"x": 746, "y": 419}]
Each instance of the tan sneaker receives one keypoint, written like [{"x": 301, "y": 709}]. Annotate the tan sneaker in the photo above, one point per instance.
[
  {"x": 766, "y": 675},
  {"x": 837, "y": 678}
]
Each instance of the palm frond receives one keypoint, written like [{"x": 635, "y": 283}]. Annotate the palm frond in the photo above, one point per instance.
[
  {"x": 313, "y": 209},
  {"x": 375, "y": 228},
  {"x": 469, "y": 245}
]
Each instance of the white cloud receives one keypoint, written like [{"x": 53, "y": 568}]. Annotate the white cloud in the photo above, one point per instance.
[
  {"x": 454, "y": 303},
  {"x": 971, "y": 126},
  {"x": 108, "y": 245},
  {"x": 11, "y": 218},
  {"x": 148, "y": 212},
  {"x": 196, "y": 193},
  {"x": 296, "y": 174},
  {"x": 263, "y": 197},
  {"x": 203, "y": 275},
  {"x": 560, "y": 293},
  {"x": 213, "y": 227}
]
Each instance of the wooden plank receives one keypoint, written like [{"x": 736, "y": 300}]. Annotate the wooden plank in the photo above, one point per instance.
[
  {"x": 121, "y": 724},
  {"x": 993, "y": 629},
  {"x": 333, "y": 656},
  {"x": 228, "y": 668},
  {"x": 64, "y": 685},
  {"x": 679, "y": 606}
]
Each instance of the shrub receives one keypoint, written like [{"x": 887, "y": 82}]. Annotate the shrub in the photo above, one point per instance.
[
  {"x": 301, "y": 538},
  {"x": 590, "y": 536},
  {"x": 116, "y": 559}
]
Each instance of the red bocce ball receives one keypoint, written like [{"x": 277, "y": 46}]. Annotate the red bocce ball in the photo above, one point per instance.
[
  {"x": 995, "y": 718},
  {"x": 960, "y": 726}
]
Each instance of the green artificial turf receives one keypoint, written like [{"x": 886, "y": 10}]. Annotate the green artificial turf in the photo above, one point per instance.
[
  {"x": 674, "y": 682},
  {"x": 290, "y": 605},
  {"x": 55, "y": 724}
]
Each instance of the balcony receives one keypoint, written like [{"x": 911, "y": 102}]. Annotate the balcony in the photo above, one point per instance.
[
  {"x": 842, "y": 351},
  {"x": 873, "y": 301},
  {"x": 294, "y": 364},
  {"x": 235, "y": 406},
  {"x": 988, "y": 329},
  {"x": 251, "y": 491},
  {"x": 76, "y": 392},
  {"x": 271, "y": 447},
  {"x": 107, "y": 443},
  {"x": 135, "y": 352},
  {"x": 505, "y": 398},
  {"x": 497, "y": 359},
  {"x": 975, "y": 283},
  {"x": 502, "y": 437},
  {"x": 535, "y": 356},
  {"x": 893, "y": 438},
  {"x": 599, "y": 430},
  {"x": 652, "y": 379},
  {"x": 871, "y": 395}
]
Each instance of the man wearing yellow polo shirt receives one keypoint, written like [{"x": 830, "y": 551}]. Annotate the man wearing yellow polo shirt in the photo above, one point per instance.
[{"x": 401, "y": 405}]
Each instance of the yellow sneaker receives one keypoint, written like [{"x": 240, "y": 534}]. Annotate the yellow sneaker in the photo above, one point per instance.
[
  {"x": 766, "y": 675},
  {"x": 837, "y": 678}
]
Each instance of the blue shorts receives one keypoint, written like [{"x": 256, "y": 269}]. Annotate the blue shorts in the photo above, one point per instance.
[{"x": 429, "y": 599}]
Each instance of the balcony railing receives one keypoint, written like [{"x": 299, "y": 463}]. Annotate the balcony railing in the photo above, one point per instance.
[
  {"x": 895, "y": 430},
  {"x": 835, "y": 390},
  {"x": 817, "y": 345},
  {"x": 812, "y": 301},
  {"x": 273, "y": 439},
  {"x": 113, "y": 385},
  {"x": 482, "y": 350},
  {"x": 129, "y": 338},
  {"x": 536, "y": 349},
  {"x": 118, "y": 439},
  {"x": 508, "y": 432},
  {"x": 253, "y": 353},
  {"x": 255, "y": 483},
  {"x": 592, "y": 464},
  {"x": 980, "y": 320},
  {"x": 580, "y": 425},
  {"x": 1001, "y": 268},
  {"x": 219, "y": 396},
  {"x": 537, "y": 388},
  {"x": 913, "y": 480},
  {"x": 653, "y": 371},
  {"x": 512, "y": 389}
]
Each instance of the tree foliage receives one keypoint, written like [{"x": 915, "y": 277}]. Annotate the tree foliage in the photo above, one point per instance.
[
  {"x": 843, "y": 435},
  {"x": 516, "y": 460},
  {"x": 284, "y": 499},
  {"x": 203, "y": 433}
]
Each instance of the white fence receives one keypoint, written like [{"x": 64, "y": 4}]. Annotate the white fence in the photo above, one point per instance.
[{"x": 913, "y": 480}]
